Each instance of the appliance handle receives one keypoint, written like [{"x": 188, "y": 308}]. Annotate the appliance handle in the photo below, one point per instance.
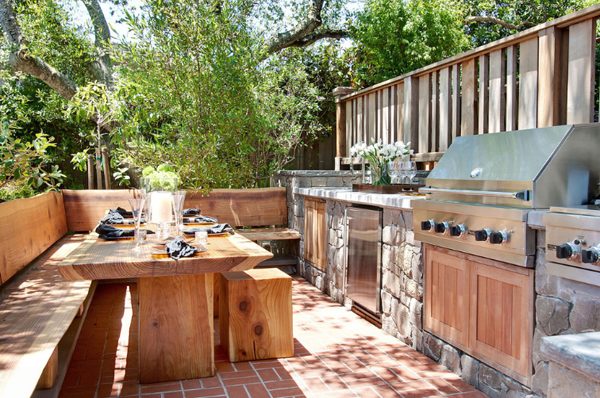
[{"x": 522, "y": 195}]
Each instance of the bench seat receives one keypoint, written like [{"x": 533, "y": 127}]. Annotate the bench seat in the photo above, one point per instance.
[
  {"x": 268, "y": 234},
  {"x": 37, "y": 312}
]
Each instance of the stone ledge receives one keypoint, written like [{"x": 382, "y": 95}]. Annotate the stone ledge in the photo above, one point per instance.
[
  {"x": 347, "y": 195},
  {"x": 316, "y": 173},
  {"x": 579, "y": 352}
]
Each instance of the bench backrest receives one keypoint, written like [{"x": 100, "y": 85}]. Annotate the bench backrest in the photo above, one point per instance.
[
  {"x": 27, "y": 228},
  {"x": 239, "y": 207}
]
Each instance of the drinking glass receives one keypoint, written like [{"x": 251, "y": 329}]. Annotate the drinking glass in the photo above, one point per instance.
[
  {"x": 178, "y": 199},
  {"x": 137, "y": 203},
  {"x": 411, "y": 170}
]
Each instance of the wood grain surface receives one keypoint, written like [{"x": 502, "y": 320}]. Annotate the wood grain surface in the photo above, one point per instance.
[
  {"x": 238, "y": 207},
  {"x": 99, "y": 259},
  {"x": 36, "y": 309},
  {"x": 27, "y": 228},
  {"x": 255, "y": 319},
  {"x": 176, "y": 328}
]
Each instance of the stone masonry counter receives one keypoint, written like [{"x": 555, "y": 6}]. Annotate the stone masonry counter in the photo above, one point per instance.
[{"x": 372, "y": 199}]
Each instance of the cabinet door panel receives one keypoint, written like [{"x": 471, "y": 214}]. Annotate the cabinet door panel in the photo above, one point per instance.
[
  {"x": 502, "y": 307},
  {"x": 315, "y": 233},
  {"x": 446, "y": 296}
]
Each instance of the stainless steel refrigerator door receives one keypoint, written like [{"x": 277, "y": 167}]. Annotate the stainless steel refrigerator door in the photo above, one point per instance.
[{"x": 364, "y": 254}]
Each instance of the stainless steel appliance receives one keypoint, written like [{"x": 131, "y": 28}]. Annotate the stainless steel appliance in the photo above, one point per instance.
[
  {"x": 573, "y": 236},
  {"x": 479, "y": 194},
  {"x": 364, "y": 259}
]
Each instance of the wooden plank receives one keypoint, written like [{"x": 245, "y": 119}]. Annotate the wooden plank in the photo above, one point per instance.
[
  {"x": 511, "y": 89},
  {"x": 445, "y": 110},
  {"x": 349, "y": 133},
  {"x": 434, "y": 121},
  {"x": 483, "y": 85},
  {"x": 384, "y": 129},
  {"x": 50, "y": 372},
  {"x": 497, "y": 105},
  {"x": 98, "y": 259},
  {"x": 36, "y": 309},
  {"x": 455, "y": 103},
  {"x": 424, "y": 114},
  {"x": 27, "y": 228},
  {"x": 581, "y": 72},
  {"x": 176, "y": 328},
  {"x": 393, "y": 112},
  {"x": 468, "y": 106},
  {"x": 528, "y": 84},
  {"x": 238, "y": 207},
  {"x": 371, "y": 111},
  {"x": 256, "y": 321},
  {"x": 549, "y": 78},
  {"x": 401, "y": 116},
  {"x": 315, "y": 230},
  {"x": 360, "y": 121},
  {"x": 411, "y": 111}
]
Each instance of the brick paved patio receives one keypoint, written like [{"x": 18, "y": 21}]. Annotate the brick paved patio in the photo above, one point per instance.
[{"x": 337, "y": 354}]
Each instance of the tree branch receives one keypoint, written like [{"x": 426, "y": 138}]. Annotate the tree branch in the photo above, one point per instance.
[
  {"x": 497, "y": 21},
  {"x": 103, "y": 65},
  {"x": 8, "y": 23},
  {"x": 311, "y": 24},
  {"x": 316, "y": 36}
]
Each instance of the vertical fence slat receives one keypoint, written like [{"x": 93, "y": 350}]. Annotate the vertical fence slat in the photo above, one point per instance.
[
  {"x": 445, "y": 109},
  {"x": 548, "y": 78},
  {"x": 455, "y": 126},
  {"x": 385, "y": 115},
  {"x": 349, "y": 134},
  {"x": 424, "y": 113},
  {"x": 483, "y": 93},
  {"x": 371, "y": 114},
  {"x": 528, "y": 84},
  {"x": 411, "y": 111},
  {"x": 434, "y": 120},
  {"x": 468, "y": 107},
  {"x": 496, "y": 115},
  {"x": 581, "y": 79},
  {"x": 393, "y": 120},
  {"x": 360, "y": 123},
  {"x": 511, "y": 89},
  {"x": 400, "y": 113}
]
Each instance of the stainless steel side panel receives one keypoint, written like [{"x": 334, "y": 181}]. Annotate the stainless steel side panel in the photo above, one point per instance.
[
  {"x": 562, "y": 228},
  {"x": 364, "y": 257}
]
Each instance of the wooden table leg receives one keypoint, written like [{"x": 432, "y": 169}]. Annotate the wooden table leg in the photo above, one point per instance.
[{"x": 176, "y": 338}]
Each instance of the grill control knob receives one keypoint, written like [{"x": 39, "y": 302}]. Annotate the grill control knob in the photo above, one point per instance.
[
  {"x": 497, "y": 238},
  {"x": 427, "y": 225},
  {"x": 569, "y": 250},
  {"x": 591, "y": 255},
  {"x": 442, "y": 227},
  {"x": 458, "y": 230},
  {"x": 482, "y": 235}
]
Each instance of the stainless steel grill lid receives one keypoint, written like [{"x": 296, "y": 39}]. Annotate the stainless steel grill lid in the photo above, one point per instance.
[{"x": 537, "y": 168}]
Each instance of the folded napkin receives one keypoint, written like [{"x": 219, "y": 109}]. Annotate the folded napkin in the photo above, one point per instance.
[
  {"x": 124, "y": 213},
  {"x": 108, "y": 231},
  {"x": 112, "y": 217},
  {"x": 219, "y": 229},
  {"x": 190, "y": 212},
  {"x": 202, "y": 219},
  {"x": 177, "y": 248}
]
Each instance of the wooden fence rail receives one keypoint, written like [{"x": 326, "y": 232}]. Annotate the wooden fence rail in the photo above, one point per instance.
[{"x": 540, "y": 77}]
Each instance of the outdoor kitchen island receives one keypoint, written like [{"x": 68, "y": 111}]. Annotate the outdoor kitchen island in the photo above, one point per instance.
[{"x": 561, "y": 303}]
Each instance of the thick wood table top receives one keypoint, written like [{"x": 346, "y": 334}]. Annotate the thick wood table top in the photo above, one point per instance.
[{"x": 99, "y": 259}]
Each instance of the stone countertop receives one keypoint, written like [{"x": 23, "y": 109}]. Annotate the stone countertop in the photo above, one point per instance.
[
  {"x": 363, "y": 198},
  {"x": 580, "y": 352}
]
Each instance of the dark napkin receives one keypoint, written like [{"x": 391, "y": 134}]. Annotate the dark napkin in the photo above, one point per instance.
[
  {"x": 219, "y": 229},
  {"x": 112, "y": 217},
  {"x": 190, "y": 212},
  {"x": 201, "y": 219},
  {"x": 124, "y": 213},
  {"x": 177, "y": 248},
  {"x": 108, "y": 231}
]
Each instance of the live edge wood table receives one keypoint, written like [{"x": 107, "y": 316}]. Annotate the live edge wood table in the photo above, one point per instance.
[{"x": 176, "y": 337}]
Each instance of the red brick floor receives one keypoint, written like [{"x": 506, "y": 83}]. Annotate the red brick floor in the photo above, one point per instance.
[{"x": 337, "y": 354}]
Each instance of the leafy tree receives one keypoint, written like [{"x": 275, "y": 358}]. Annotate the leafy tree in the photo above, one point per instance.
[{"x": 393, "y": 37}]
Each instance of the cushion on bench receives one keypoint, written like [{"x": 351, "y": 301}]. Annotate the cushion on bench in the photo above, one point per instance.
[{"x": 37, "y": 307}]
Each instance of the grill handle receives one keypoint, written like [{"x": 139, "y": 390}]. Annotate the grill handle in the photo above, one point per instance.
[{"x": 522, "y": 195}]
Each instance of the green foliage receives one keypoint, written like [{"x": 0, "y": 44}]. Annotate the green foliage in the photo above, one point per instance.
[
  {"x": 393, "y": 37},
  {"x": 163, "y": 178},
  {"x": 25, "y": 166}
]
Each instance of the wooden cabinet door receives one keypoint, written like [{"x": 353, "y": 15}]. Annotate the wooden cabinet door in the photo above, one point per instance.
[
  {"x": 446, "y": 295},
  {"x": 502, "y": 317},
  {"x": 315, "y": 233}
]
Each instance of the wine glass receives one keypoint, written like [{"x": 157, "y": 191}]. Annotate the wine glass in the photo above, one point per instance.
[
  {"x": 137, "y": 203},
  {"x": 411, "y": 170},
  {"x": 178, "y": 199}
]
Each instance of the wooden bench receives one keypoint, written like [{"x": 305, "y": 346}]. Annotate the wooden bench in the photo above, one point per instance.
[
  {"x": 255, "y": 316},
  {"x": 40, "y": 313}
]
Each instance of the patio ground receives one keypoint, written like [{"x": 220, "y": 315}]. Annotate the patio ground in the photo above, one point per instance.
[{"x": 337, "y": 354}]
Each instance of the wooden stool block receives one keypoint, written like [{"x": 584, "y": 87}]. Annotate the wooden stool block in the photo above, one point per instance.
[{"x": 255, "y": 315}]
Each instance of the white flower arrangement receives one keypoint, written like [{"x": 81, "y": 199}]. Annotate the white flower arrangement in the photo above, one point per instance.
[{"x": 379, "y": 156}]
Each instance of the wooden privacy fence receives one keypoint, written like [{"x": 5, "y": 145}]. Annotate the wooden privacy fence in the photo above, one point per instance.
[{"x": 540, "y": 77}]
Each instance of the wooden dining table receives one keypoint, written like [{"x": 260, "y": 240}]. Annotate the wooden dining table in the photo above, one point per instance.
[{"x": 175, "y": 297}]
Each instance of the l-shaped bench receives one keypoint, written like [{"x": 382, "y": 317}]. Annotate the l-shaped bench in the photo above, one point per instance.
[{"x": 40, "y": 313}]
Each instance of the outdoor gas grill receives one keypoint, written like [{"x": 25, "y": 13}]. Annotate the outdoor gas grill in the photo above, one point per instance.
[{"x": 480, "y": 193}]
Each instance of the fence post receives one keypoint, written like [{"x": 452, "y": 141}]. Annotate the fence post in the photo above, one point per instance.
[{"x": 340, "y": 125}]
